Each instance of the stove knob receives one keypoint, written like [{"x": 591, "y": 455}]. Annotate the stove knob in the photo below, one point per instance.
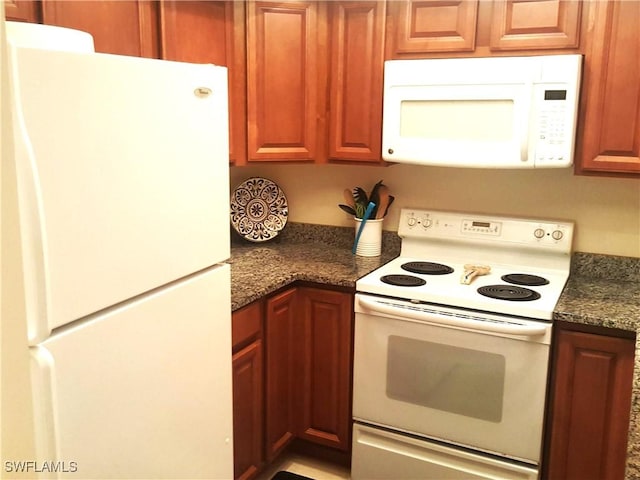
[
  {"x": 411, "y": 221},
  {"x": 538, "y": 233},
  {"x": 557, "y": 234},
  {"x": 426, "y": 222}
]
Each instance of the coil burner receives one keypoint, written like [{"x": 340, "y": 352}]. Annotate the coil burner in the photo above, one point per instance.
[{"x": 509, "y": 292}]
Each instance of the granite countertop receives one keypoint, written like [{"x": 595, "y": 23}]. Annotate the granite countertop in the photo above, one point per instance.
[
  {"x": 602, "y": 290},
  {"x": 309, "y": 253}
]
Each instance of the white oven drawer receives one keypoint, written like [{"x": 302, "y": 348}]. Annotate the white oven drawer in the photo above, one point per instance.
[
  {"x": 384, "y": 455},
  {"x": 485, "y": 390}
]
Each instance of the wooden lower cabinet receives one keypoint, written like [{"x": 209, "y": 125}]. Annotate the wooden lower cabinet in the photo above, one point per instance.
[
  {"x": 248, "y": 386},
  {"x": 588, "y": 417},
  {"x": 281, "y": 367},
  {"x": 326, "y": 341},
  {"x": 292, "y": 370}
]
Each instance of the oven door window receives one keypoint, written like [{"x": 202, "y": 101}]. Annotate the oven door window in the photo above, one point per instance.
[{"x": 447, "y": 378}]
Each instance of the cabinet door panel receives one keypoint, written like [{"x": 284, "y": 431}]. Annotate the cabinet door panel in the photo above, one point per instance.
[
  {"x": 211, "y": 32},
  {"x": 537, "y": 24},
  {"x": 326, "y": 361},
  {"x": 436, "y": 26},
  {"x": 247, "y": 410},
  {"x": 611, "y": 92},
  {"x": 282, "y": 76},
  {"x": 22, "y": 10},
  {"x": 590, "y": 406},
  {"x": 357, "y": 59},
  {"x": 125, "y": 27},
  {"x": 280, "y": 340}
]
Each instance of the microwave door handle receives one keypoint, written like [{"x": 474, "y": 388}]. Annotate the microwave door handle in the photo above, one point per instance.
[{"x": 435, "y": 318}]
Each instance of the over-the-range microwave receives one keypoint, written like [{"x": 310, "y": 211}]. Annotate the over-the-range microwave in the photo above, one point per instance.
[{"x": 498, "y": 112}]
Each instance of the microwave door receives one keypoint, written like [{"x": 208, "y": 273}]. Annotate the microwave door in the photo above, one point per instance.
[{"x": 458, "y": 125}]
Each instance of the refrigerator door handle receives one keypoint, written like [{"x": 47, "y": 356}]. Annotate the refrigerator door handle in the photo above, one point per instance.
[{"x": 44, "y": 404}]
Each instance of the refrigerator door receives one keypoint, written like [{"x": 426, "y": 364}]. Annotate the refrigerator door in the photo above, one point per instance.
[
  {"x": 123, "y": 177},
  {"x": 142, "y": 390}
]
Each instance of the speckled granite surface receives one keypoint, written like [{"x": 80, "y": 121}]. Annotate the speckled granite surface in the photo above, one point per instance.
[
  {"x": 602, "y": 290},
  {"x": 313, "y": 253}
]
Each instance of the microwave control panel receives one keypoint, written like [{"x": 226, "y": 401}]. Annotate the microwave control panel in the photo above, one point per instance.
[{"x": 554, "y": 122}]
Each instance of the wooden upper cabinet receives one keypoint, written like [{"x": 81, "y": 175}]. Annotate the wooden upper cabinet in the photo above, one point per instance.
[
  {"x": 535, "y": 24},
  {"x": 435, "y": 26},
  {"x": 22, "y": 10},
  {"x": 124, "y": 27},
  {"x": 357, "y": 63},
  {"x": 609, "y": 142},
  {"x": 283, "y": 71},
  {"x": 211, "y": 32}
]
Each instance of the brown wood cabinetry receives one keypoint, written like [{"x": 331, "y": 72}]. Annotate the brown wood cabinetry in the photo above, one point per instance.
[
  {"x": 298, "y": 52},
  {"x": 211, "y": 32},
  {"x": 124, "y": 27},
  {"x": 296, "y": 347},
  {"x": 590, "y": 403},
  {"x": 609, "y": 141},
  {"x": 538, "y": 24},
  {"x": 355, "y": 83},
  {"x": 248, "y": 384},
  {"x": 281, "y": 371},
  {"x": 285, "y": 65},
  {"x": 22, "y": 10},
  {"x": 421, "y": 28},
  {"x": 440, "y": 26},
  {"x": 326, "y": 321}
]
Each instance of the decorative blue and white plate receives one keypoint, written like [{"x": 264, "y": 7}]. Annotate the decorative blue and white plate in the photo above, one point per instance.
[{"x": 259, "y": 209}]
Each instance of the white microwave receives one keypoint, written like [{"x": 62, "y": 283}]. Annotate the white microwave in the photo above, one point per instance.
[{"x": 498, "y": 112}]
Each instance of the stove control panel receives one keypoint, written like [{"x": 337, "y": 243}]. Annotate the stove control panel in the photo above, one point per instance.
[{"x": 435, "y": 224}]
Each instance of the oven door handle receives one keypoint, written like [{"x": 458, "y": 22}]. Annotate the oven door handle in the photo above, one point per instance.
[{"x": 437, "y": 318}]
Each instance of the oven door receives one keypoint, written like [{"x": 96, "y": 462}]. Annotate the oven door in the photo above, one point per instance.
[{"x": 461, "y": 377}]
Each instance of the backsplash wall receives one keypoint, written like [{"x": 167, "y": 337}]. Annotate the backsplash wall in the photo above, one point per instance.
[{"x": 606, "y": 210}]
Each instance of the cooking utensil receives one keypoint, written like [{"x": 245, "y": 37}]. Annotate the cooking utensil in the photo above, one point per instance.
[
  {"x": 348, "y": 198},
  {"x": 383, "y": 197},
  {"x": 471, "y": 271},
  {"x": 348, "y": 209},
  {"x": 365, "y": 217}
]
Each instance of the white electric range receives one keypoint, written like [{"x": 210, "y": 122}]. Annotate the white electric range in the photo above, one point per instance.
[{"x": 452, "y": 343}]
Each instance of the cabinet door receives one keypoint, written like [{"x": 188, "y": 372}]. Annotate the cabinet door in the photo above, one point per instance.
[
  {"x": 537, "y": 24},
  {"x": 125, "y": 27},
  {"x": 357, "y": 60},
  {"x": 283, "y": 71},
  {"x": 326, "y": 361},
  {"x": 590, "y": 406},
  {"x": 281, "y": 371},
  {"x": 22, "y": 10},
  {"x": 247, "y": 410},
  {"x": 428, "y": 26},
  {"x": 610, "y": 137},
  {"x": 211, "y": 32}
]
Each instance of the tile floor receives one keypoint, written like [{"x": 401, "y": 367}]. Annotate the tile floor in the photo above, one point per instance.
[{"x": 308, "y": 467}]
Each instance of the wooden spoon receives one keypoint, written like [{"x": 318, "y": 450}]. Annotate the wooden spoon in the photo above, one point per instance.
[
  {"x": 348, "y": 198},
  {"x": 383, "y": 195}
]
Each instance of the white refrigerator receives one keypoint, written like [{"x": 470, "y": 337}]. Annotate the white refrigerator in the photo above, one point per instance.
[{"x": 123, "y": 181}]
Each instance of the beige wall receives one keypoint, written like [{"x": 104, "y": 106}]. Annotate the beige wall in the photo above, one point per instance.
[
  {"x": 15, "y": 412},
  {"x": 606, "y": 210}
]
